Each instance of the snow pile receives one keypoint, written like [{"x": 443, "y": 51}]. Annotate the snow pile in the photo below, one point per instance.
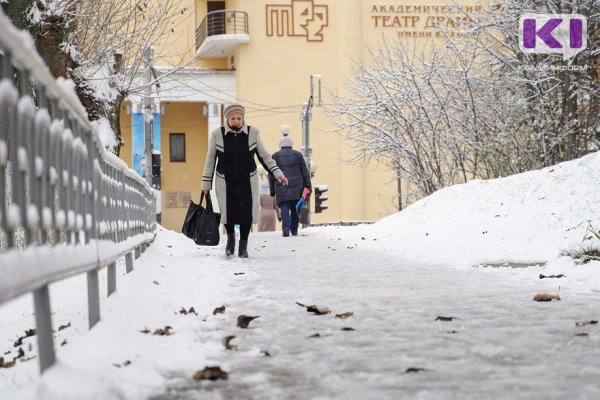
[
  {"x": 115, "y": 360},
  {"x": 529, "y": 217},
  {"x": 106, "y": 133}
]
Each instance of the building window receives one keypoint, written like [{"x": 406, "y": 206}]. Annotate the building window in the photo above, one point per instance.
[{"x": 177, "y": 147}]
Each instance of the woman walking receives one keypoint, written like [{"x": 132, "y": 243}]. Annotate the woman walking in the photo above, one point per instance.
[
  {"x": 287, "y": 196},
  {"x": 231, "y": 148}
]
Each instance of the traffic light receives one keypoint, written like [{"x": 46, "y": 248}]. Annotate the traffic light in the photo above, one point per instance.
[
  {"x": 156, "y": 170},
  {"x": 320, "y": 198}
]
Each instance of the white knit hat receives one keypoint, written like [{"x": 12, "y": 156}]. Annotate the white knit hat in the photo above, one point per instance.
[
  {"x": 234, "y": 108},
  {"x": 286, "y": 141}
]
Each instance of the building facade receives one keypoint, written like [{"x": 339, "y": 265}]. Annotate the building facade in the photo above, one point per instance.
[{"x": 262, "y": 54}]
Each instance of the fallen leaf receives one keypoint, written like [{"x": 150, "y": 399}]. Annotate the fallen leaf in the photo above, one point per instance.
[
  {"x": 1, "y": 361},
  {"x": 219, "y": 310},
  {"x": 413, "y": 370},
  {"x": 166, "y": 331},
  {"x": 581, "y": 334},
  {"x": 186, "y": 312},
  {"x": 60, "y": 328},
  {"x": 30, "y": 347},
  {"x": 265, "y": 353},
  {"x": 19, "y": 342},
  {"x": 239, "y": 273},
  {"x": 345, "y": 315},
  {"x": 440, "y": 318},
  {"x": 211, "y": 373},
  {"x": 315, "y": 309},
  {"x": 583, "y": 323},
  {"x": 227, "y": 344},
  {"x": 169, "y": 246},
  {"x": 244, "y": 320},
  {"x": 9, "y": 364},
  {"x": 552, "y": 276},
  {"x": 64, "y": 342},
  {"x": 20, "y": 354},
  {"x": 546, "y": 297},
  {"x": 30, "y": 332},
  {"x": 452, "y": 331},
  {"x": 347, "y": 328},
  {"x": 156, "y": 282},
  {"x": 145, "y": 330},
  {"x": 314, "y": 335}
]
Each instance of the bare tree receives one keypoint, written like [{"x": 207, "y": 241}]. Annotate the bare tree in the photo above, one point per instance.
[
  {"x": 472, "y": 105},
  {"x": 99, "y": 44}
]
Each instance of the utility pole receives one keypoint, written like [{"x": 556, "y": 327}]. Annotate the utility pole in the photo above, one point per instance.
[
  {"x": 305, "y": 117},
  {"x": 148, "y": 105}
]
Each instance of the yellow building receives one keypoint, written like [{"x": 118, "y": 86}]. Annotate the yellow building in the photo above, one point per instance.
[{"x": 262, "y": 53}]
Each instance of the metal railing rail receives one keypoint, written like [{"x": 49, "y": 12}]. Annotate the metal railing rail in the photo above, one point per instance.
[
  {"x": 222, "y": 22},
  {"x": 67, "y": 206}
]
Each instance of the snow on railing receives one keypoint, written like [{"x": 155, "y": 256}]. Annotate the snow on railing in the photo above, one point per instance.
[{"x": 67, "y": 206}]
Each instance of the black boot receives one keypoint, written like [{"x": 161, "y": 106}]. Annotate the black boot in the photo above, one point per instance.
[
  {"x": 230, "y": 248},
  {"x": 286, "y": 232},
  {"x": 243, "y": 249}
]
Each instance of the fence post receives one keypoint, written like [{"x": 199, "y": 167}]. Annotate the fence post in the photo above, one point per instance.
[
  {"x": 111, "y": 273},
  {"x": 93, "y": 289},
  {"x": 43, "y": 321},
  {"x": 128, "y": 262}
]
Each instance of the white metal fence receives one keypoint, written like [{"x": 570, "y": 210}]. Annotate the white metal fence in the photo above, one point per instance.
[{"x": 67, "y": 206}]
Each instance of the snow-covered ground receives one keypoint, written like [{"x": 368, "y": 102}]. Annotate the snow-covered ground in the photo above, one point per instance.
[{"x": 396, "y": 277}]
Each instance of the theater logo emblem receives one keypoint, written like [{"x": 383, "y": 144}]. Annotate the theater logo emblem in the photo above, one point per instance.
[{"x": 297, "y": 18}]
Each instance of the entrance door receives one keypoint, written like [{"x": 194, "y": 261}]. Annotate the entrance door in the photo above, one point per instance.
[{"x": 216, "y": 21}]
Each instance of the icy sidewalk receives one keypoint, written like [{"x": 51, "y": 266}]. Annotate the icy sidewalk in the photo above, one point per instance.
[{"x": 501, "y": 343}]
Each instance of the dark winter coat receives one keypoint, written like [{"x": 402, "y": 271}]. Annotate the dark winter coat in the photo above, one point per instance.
[
  {"x": 236, "y": 180},
  {"x": 294, "y": 168}
]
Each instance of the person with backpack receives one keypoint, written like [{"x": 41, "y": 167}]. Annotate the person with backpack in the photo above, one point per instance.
[
  {"x": 232, "y": 150},
  {"x": 291, "y": 163}
]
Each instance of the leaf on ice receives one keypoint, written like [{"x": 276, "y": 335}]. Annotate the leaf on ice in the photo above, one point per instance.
[
  {"x": 315, "y": 309},
  {"x": 186, "y": 312},
  {"x": 145, "y": 330},
  {"x": 314, "y": 335},
  {"x": 345, "y": 315},
  {"x": 244, "y": 320},
  {"x": 583, "y": 323},
  {"x": 219, "y": 310},
  {"x": 546, "y": 297},
  {"x": 239, "y": 273},
  {"x": 8, "y": 364},
  {"x": 227, "y": 343},
  {"x": 442, "y": 318},
  {"x": 60, "y": 328},
  {"x": 542, "y": 276},
  {"x": 581, "y": 334},
  {"x": 156, "y": 282},
  {"x": 166, "y": 331},
  {"x": 412, "y": 370},
  {"x": 265, "y": 353},
  {"x": 348, "y": 328},
  {"x": 64, "y": 342},
  {"x": 211, "y": 373}
]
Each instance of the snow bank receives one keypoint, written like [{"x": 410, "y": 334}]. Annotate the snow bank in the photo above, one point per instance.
[
  {"x": 529, "y": 217},
  {"x": 106, "y": 133}
]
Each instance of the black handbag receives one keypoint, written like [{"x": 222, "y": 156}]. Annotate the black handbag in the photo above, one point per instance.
[
  {"x": 192, "y": 218},
  {"x": 206, "y": 230}
]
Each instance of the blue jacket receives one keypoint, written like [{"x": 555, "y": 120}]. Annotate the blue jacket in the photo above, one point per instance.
[{"x": 291, "y": 163}]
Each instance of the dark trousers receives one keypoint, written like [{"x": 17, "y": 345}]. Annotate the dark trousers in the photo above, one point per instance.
[
  {"x": 244, "y": 230},
  {"x": 289, "y": 215}
]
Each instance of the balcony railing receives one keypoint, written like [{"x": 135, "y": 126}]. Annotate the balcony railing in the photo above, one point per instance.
[{"x": 220, "y": 31}]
